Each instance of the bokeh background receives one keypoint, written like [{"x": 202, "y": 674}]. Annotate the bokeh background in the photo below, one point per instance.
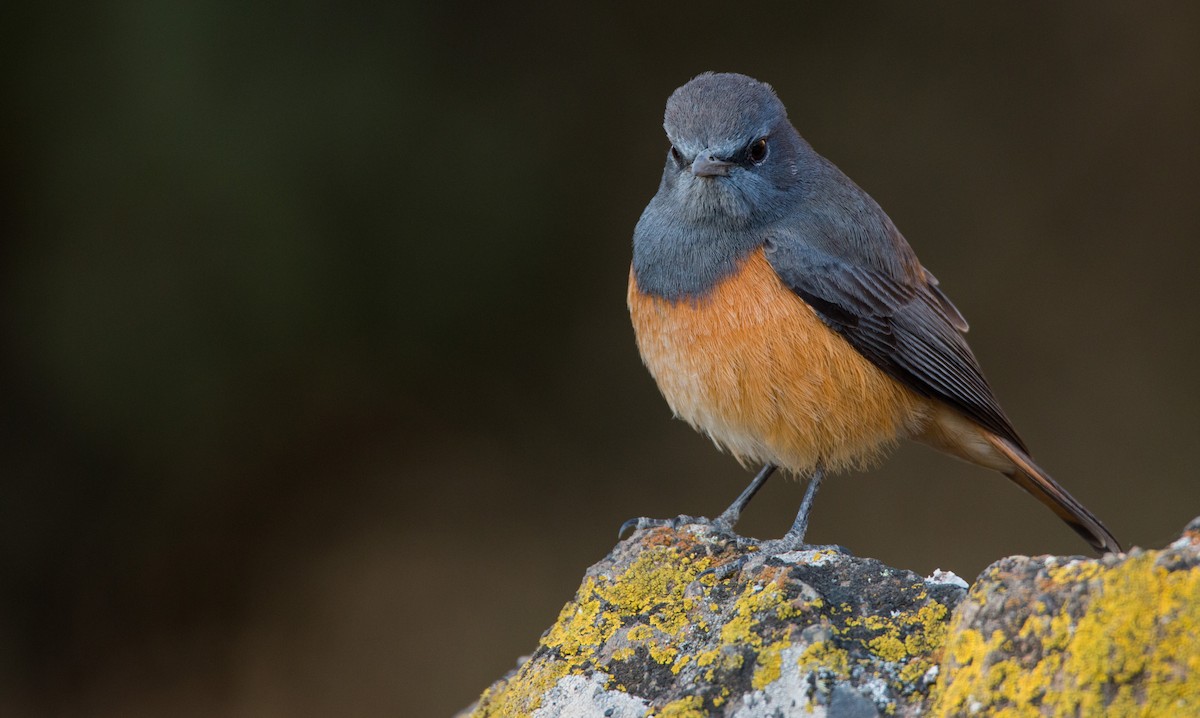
[{"x": 318, "y": 391}]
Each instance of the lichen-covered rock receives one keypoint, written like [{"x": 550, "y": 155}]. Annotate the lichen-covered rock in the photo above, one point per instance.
[
  {"x": 693, "y": 622},
  {"x": 1050, "y": 636},
  {"x": 697, "y": 623}
]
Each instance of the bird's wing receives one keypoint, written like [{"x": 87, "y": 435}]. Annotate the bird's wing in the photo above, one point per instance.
[{"x": 909, "y": 329}]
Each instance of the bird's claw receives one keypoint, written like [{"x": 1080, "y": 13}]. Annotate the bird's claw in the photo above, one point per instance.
[
  {"x": 675, "y": 523},
  {"x": 775, "y": 547}
]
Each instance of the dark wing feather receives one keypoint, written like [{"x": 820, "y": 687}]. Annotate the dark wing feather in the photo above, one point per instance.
[{"x": 908, "y": 329}]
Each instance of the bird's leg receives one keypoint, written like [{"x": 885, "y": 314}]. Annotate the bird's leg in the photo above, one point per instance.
[
  {"x": 793, "y": 540},
  {"x": 729, "y": 517},
  {"x": 724, "y": 522},
  {"x": 795, "y": 534}
]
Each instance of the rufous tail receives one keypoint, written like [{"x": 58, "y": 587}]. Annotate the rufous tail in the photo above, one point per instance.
[{"x": 1030, "y": 477}]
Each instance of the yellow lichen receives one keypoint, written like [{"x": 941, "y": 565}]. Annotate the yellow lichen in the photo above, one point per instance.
[
  {"x": 888, "y": 647},
  {"x": 655, "y": 581},
  {"x": 649, "y": 594},
  {"x": 522, "y": 694},
  {"x": 577, "y": 626},
  {"x": 825, "y": 655},
  {"x": 730, "y": 661},
  {"x": 1075, "y": 572},
  {"x": 930, "y": 622},
  {"x": 1060, "y": 631},
  {"x": 1134, "y": 650},
  {"x": 756, "y": 600},
  {"x": 871, "y": 623},
  {"x": 707, "y": 657},
  {"x": 768, "y": 667},
  {"x": 1140, "y": 605},
  {"x": 686, "y": 707},
  {"x": 645, "y": 607},
  {"x": 663, "y": 654},
  {"x": 911, "y": 638},
  {"x": 914, "y": 670}
]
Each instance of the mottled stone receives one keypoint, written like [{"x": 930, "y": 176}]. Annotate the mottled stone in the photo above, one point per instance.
[
  {"x": 1054, "y": 636},
  {"x": 693, "y": 622}
]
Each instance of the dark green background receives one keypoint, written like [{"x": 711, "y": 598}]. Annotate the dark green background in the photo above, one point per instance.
[{"x": 318, "y": 388}]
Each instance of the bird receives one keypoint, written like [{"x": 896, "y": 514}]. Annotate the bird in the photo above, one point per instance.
[{"x": 782, "y": 314}]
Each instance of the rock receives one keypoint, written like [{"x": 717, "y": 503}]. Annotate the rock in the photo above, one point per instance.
[
  {"x": 1114, "y": 636},
  {"x": 693, "y": 622}
]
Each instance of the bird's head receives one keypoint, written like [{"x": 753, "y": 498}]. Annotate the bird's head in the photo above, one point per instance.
[{"x": 734, "y": 156}]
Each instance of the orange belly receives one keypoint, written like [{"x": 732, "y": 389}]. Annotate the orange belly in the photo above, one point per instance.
[{"x": 752, "y": 366}]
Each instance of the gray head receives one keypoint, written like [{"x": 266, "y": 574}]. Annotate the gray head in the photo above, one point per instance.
[
  {"x": 735, "y": 167},
  {"x": 733, "y": 152}
]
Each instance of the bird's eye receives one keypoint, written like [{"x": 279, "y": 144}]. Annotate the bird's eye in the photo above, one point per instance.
[
  {"x": 758, "y": 151},
  {"x": 676, "y": 155}
]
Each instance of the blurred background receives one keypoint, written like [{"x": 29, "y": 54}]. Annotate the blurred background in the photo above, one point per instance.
[{"x": 318, "y": 389}]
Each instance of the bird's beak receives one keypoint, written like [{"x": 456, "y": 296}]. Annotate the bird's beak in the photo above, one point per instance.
[{"x": 706, "y": 165}]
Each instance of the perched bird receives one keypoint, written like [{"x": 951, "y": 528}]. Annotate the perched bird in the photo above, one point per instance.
[{"x": 783, "y": 314}]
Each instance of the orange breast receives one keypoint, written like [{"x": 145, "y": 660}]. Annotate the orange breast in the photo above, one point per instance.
[{"x": 752, "y": 365}]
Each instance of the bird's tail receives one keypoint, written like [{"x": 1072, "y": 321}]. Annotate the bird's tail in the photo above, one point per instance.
[{"x": 1032, "y": 478}]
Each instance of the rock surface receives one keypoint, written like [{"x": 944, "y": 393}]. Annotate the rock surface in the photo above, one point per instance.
[
  {"x": 1053, "y": 636},
  {"x": 693, "y": 622}
]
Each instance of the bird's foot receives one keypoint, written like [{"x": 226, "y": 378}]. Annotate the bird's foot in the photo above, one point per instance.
[
  {"x": 676, "y": 523},
  {"x": 773, "y": 548},
  {"x": 788, "y": 544}
]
